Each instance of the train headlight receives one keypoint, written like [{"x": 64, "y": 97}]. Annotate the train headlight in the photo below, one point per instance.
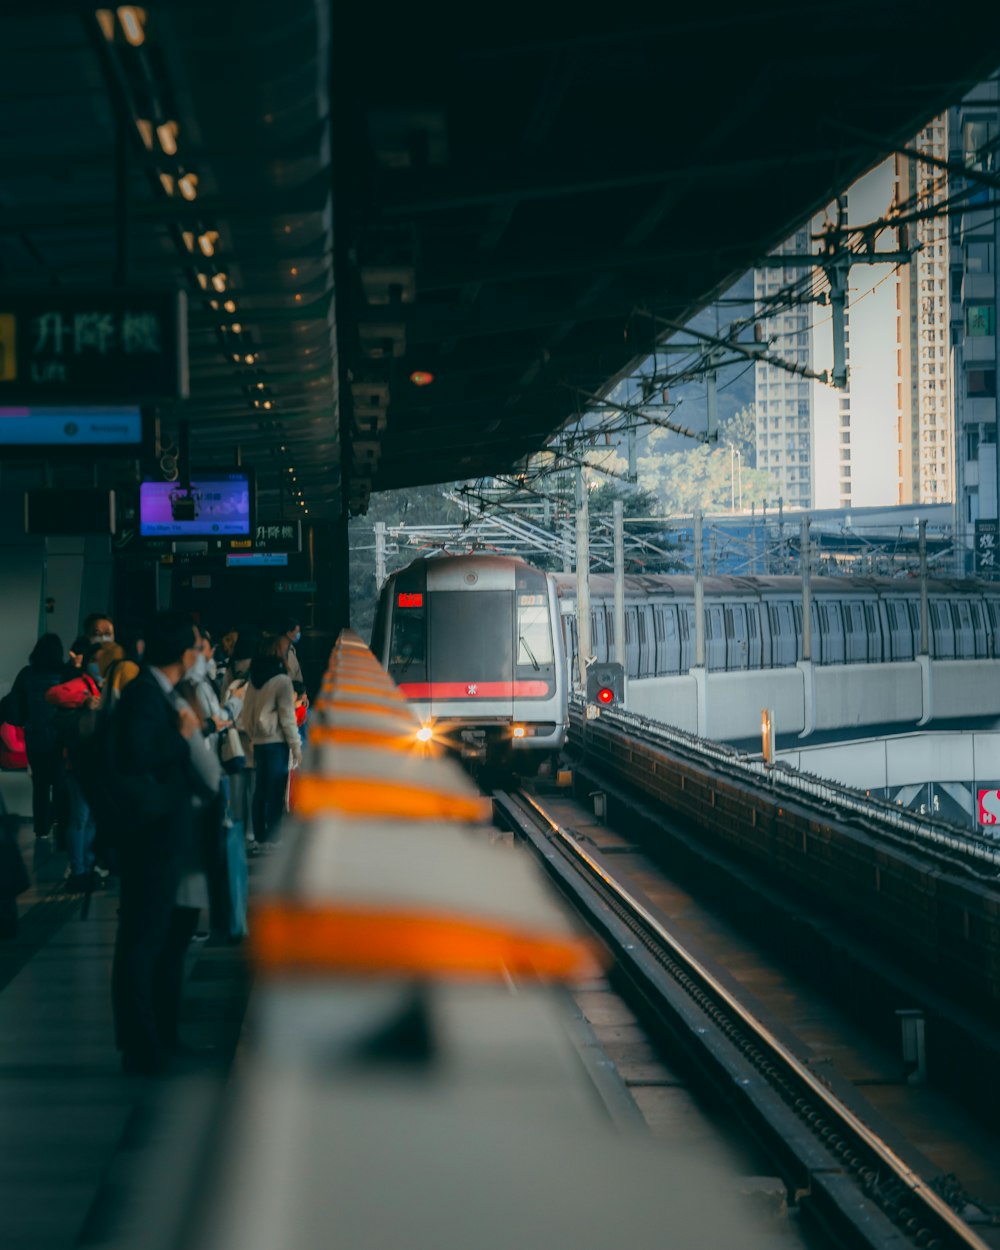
[
  {"x": 520, "y": 731},
  {"x": 425, "y": 733}
]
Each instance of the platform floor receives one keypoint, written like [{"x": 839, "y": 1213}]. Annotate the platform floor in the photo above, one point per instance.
[{"x": 72, "y": 1127}]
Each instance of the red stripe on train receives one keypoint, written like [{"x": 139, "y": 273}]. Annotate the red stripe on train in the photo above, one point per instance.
[{"x": 474, "y": 689}]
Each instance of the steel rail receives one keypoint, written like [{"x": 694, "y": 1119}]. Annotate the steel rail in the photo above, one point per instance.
[{"x": 884, "y": 1153}]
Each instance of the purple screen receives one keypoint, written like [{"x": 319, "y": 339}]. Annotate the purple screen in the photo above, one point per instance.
[{"x": 218, "y": 505}]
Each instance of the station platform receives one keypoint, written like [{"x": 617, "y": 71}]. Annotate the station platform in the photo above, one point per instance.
[{"x": 75, "y": 1134}]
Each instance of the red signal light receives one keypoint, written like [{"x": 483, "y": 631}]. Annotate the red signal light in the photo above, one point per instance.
[
  {"x": 421, "y": 377},
  {"x": 605, "y": 695},
  {"x": 410, "y": 601}
]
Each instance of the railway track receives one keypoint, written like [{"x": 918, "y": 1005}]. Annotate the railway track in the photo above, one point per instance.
[{"x": 839, "y": 1171}]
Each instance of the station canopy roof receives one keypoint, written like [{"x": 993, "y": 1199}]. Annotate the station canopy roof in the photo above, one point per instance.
[{"x": 356, "y": 197}]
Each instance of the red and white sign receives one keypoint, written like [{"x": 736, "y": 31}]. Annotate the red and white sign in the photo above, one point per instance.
[{"x": 989, "y": 807}]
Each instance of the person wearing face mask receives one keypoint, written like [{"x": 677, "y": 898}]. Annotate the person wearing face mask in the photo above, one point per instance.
[
  {"x": 291, "y": 634},
  {"x": 76, "y": 701},
  {"x": 154, "y": 744}
]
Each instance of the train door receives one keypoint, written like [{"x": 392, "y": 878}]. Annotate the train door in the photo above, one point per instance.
[
  {"x": 900, "y": 631},
  {"x": 831, "y": 627},
  {"x": 755, "y": 643},
  {"x": 737, "y": 642},
  {"x": 670, "y": 653},
  {"x": 979, "y": 629},
  {"x": 659, "y": 639},
  {"x": 875, "y": 625},
  {"x": 644, "y": 621},
  {"x": 598, "y": 633},
  {"x": 685, "y": 621},
  {"x": 965, "y": 639},
  {"x": 715, "y": 637},
  {"x": 855, "y": 632},
  {"x": 784, "y": 647},
  {"x": 631, "y": 641},
  {"x": 993, "y": 610},
  {"x": 941, "y": 643}
]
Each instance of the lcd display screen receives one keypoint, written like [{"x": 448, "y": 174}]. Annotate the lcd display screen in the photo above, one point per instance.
[
  {"x": 214, "y": 505},
  {"x": 69, "y": 427},
  {"x": 257, "y": 559}
]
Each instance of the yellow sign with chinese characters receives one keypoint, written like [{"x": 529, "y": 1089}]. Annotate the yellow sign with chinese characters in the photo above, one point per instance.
[{"x": 8, "y": 347}]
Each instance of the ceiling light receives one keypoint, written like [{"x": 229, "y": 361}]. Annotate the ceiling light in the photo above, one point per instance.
[
  {"x": 249, "y": 358},
  {"x": 207, "y": 242},
  {"x": 166, "y": 132},
  {"x": 214, "y": 305},
  {"x": 294, "y": 271},
  {"x": 188, "y": 237},
  {"x": 292, "y": 472},
  {"x": 298, "y": 299},
  {"x": 145, "y": 129},
  {"x": 203, "y": 280},
  {"x": 106, "y": 21},
  {"x": 260, "y": 387},
  {"x": 236, "y": 327},
  {"x": 188, "y": 186},
  {"x": 167, "y": 182},
  {"x": 268, "y": 405},
  {"x": 420, "y": 377},
  {"x": 230, "y": 305},
  {"x": 219, "y": 281},
  {"x": 236, "y": 357},
  {"x": 133, "y": 19}
]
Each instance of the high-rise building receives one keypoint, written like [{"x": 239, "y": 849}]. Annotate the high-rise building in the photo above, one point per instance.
[
  {"x": 783, "y": 401},
  {"x": 925, "y": 413},
  {"x": 974, "y": 137}
]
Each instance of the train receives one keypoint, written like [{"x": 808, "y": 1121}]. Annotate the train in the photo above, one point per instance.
[
  {"x": 474, "y": 642},
  {"x": 756, "y": 622}
]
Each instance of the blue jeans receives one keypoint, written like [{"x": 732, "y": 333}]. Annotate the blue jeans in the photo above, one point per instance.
[
  {"x": 271, "y": 767},
  {"x": 80, "y": 831}
]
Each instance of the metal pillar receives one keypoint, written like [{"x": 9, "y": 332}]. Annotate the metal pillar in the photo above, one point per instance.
[
  {"x": 925, "y": 632},
  {"x": 805, "y": 559},
  {"x": 633, "y": 464},
  {"x": 380, "y": 571},
  {"x": 838, "y": 274},
  {"x": 699, "y": 593},
  {"x": 583, "y": 638},
  {"x": 619, "y": 518}
]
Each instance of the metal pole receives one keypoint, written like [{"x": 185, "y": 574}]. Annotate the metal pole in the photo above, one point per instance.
[
  {"x": 805, "y": 559},
  {"x": 633, "y": 464},
  {"x": 739, "y": 470},
  {"x": 732, "y": 478},
  {"x": 699, "y": 594},
  {"x": 925, "y": 632},
  {"x": 838, "y": 274},
  {"x": 619, "y": 517},
  {"x": 380, "y": 573},
  {"x": 712, "y": 402},
  {"x": 582, "y": 580}
]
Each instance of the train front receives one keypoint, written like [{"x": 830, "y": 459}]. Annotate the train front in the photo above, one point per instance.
[{"x": 473, "y": 642}]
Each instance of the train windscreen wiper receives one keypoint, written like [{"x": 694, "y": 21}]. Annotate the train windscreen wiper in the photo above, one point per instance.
[{"x": 531, "y": 655}]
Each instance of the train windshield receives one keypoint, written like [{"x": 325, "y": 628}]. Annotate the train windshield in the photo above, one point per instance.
[
  {"x": 471, "y": 635},
  {"x": 534, "y": 636}
]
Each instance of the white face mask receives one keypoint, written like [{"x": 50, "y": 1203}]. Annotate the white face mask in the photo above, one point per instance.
[{"x": 103, "y": 638}]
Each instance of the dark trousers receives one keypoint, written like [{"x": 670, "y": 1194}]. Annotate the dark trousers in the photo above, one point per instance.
[
  {"x": 46, "y": 770},
  {"x": 271, "y": 766},
  {"x": 153, "y": 936}
]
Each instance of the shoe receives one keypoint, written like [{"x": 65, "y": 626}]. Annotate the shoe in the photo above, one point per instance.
[{"x": 101, "y": 873}]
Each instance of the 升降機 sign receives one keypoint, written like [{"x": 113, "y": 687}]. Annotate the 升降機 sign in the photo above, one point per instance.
[{"x": 77, "y": 345}]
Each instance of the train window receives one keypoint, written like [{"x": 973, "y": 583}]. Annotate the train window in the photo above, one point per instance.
[
  {"x": 670, "y": 623},
  {"x": 641, "y": 621},
  {"x": 630, "y": 615},
  {"x": 472, "y": 635},
  {"x": 730, "y": 627},
  {"x": 409, "y": 642},
  {"x": 658, "y": 631},
  {"x": 534, "y": 632},
  {"x": 752, "y": 621}
]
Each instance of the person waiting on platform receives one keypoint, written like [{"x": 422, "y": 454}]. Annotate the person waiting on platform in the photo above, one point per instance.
[
  {"x": 26, "y": 707},
  {"x": 152, "y": 745},
  {"x": 76, "y": 701},
  {"x": 268, "y": 718}
]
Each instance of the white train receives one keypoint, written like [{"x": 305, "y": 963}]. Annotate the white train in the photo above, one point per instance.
[
  {"x": 474, "y": 642},
  {"x": 756, "y": 622}
]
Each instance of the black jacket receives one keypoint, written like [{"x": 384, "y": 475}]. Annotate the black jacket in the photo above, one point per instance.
[
  {"x": 25, "y": 705},
  {"x": 148, "y": 745}
]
